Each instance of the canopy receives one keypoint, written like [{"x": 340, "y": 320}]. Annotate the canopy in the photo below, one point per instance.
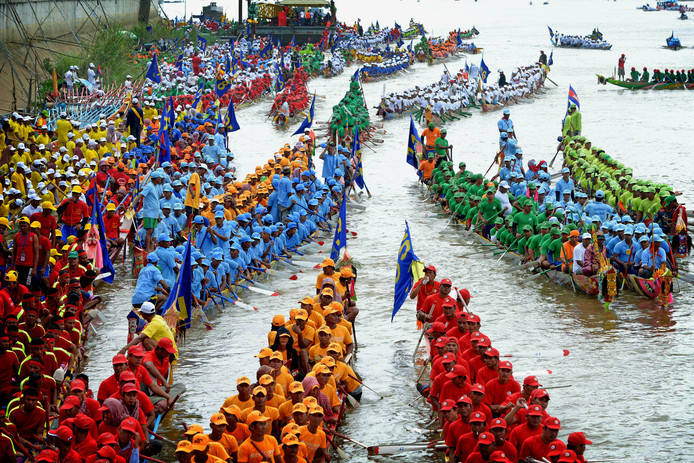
[{"x": 311, "y": 3}]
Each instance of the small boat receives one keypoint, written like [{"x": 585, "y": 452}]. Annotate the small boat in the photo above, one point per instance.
[
  {"x": 673, "y": 43},
  {"x": 642, "y": 85}
]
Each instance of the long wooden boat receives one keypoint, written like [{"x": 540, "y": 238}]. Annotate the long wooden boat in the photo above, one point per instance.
[
  {"x": 647, "y": 287},
  {"x": 641, "y": 85}
]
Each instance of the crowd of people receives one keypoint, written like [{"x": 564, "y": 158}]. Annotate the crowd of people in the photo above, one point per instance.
[
  {"x": 579, "y": 41},
  {"x": 486, "y": 414}
]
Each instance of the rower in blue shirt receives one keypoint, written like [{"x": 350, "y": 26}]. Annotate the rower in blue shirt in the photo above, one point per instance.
[
  {"x": 293, "y": 239},
  {"x": 504, "y": 124},
  {"x": 149, "y": 282},
  {"x": 564, "y": 183},
  {"x": 284, "y": 192},
  {"x": 599, "y": 207},
  {"x": 623, "y": 253},
  {"x": 647, "y": 260},
  {"x": 167, "y": 262}
]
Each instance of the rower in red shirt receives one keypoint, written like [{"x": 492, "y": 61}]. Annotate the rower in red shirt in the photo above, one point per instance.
[
  {"x": 156, "y": 361},
  {"x": 498, "y": 390},
  {"x": 425, "y": 287},
  {"x": 457, "y": 385},
  {"x": 537, "y": 397},
  {"x": 46, "y": 219},
  {"x": 530, "y": 383},
  {"x": 111, "y": 385},
  {"x": 537, "y": 446},
  {"x": 459, "y": 331},
  {"x": 498, "y": 428},
  {"x": 577, "y": 443},
  {"x": 89, "y": 406},
  {"x": 9, "y": 367},
  {"x": 477, "y": 361},
  {"x": 467, "y": 442},
  {"x": 485, "y": 447},
  {"x": 530, "y": 428},
  {"x": 448, "y": 362},
  {"x": 477, "y": 394},
  {"x": 460, "y": 426},
  {"x": 432, "y": 308},
  {"x": 29, "y": 418},
  {"x": 83, "y": 443},
  {"x": 72, "y": 211},
  {"x": 490, "y": 369},
  {"x": 62, "y": 438},
  {"x": 449, "y": 317}
]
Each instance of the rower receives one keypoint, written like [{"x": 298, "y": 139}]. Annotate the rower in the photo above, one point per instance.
[
  {"x": 433, "y": 304},
  {"x": 425, "y": 286},
  {"x": 259, "y": 443},
  {"x": 467, "y": 442},
  {"x": 453, "y": 431},
  {"x": 577, "y": 442},
  {"x": 499, "y": 390},
  {"x": 486, "y": 444},
  {"x": 537, "y": 446},
  {"x": 218, "y": 425}
]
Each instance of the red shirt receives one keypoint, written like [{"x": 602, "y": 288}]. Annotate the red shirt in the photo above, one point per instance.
[
  {"x": 161, "y": 366},
  {"x": 48, "y": 223},
  {"x": 534, "y": 447},
  {"x": 74, "y": 212},
  {"x": 509, "y": 450},
  {"x": 435, "y": 301},
  {"x": 449, "y": 323},
  {"x": 486, "y": 374},
  {"x": 72, "y": 457},
  {"x": 455, "y": 430},
  {"x": 112, "y": 225},
  {"x": 24, "y": 244},
  {"x": 145, "y": 404},
  {"x": 85, "y": 448},
  {"x": 465, "y": 446},
  {"x": 456, "y": 333},
  {"x": 141, "y": 375},
  {"x": 450, "y": 391},
  {"x": 44, "y": 249},
  {"x": 9, "y": 364},
  {"x": 28, "y": 424},
  {"x": 483, "y": 408},
  {"x": 521, "y": 433},
  {"x": 107, "y": 388},
  {"x": 497, "y": 393},
  {"x": 475, "y": 364},
  {"x": 426, "y": 291}
]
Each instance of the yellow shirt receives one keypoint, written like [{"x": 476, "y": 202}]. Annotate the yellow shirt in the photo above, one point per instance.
[
  {"x": 157, "y": 329},
  {"x": 63, "y": 126},
  {"x": 43, "y": 139},
  {"x": 234, "y": 400},
  {"x": 19, "y": 182},
  {"x": 90, "y": 155},
  {"x": 193, "y": 200}
]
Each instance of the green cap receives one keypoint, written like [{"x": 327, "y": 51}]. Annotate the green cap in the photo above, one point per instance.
[
  {"x": 72, "y": 255},
  {"x": 555, "y": 231},
  {"x": 527, "y": 228},
  {"x": 499, "y": 221}
]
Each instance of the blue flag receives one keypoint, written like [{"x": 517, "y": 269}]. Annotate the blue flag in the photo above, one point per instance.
[
  {"x": 551, "y": 58},
  {"x": 164, "y": 145},
  {"x": 309, "y": 119},
  {"x": 280, "y": 82},
  {"x": 180, "y": 298},
  {"x": 356, "y": 157},
  {"x": 168, "y": 114},
  {"x": 198, "y": 97},
  {"x": 340, "y": 239},
  {"x": 98, "y": 221},
  {"x": 356, "y": 75},
  {"x": 230, "y": 121},
  {"x": 334, "y": 47},
  {"x": 202, "y": 43},
  {"x": 221, "y": 87},
  {"x": 551, "y": 32},
  {"x": 403, "y": 275},
  {"x": 293, "y": 43},
  {"x": 266, "y": 52},
  {"x": 412, "y": 140},
  {"x": 467, "y": 68},
  {"x": 227, "y": 64},
  {"x": 484, "y": 71},
  {"x": 573, "y": 98},
  {"x": 149, "y": 29},
  {"x": 179, "y": 62},
  {"x": 153, "y": 71}
]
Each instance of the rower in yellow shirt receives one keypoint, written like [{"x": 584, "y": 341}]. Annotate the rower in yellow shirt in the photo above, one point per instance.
[
  {"x": 102, "y": 149},
  {"x": 89, "y": 152},
  {"x": 63, "y": 126},
  {"x": 18, "y": 180},
  {"x": 70, "y": 145}
]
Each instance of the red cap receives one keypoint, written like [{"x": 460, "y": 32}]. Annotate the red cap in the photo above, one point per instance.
[
  {"x": 48, "y": 456},
  {"x": 498, "y": 456},
  {"x": 70, "y": 402},
  {"x": 136, "y": 351},
  {"x": 531, "y": 381},
  {"x": 448, "y": 305},
  {"x": 465, "y": 399},
  {"x": 486, "y": 438},
  {"x": 555, "y": 449},
  {"x": 447, "y": 405},
  {"x": 430, "y": 267},
  {"x": 448, "y": 358},
  {"x": 535, "y": 410},
  {"x": 128, "y": 387},
  {"x": 464, "y": 293},
  {"x": 474, "y": 318},
  {"x": 578, "y": 438},
  {"x": 552, "y": 423},
  {"x": 106, "y": 439},
  {"x": 477, "y": 387},
  {"x": 491, "y": 352},
  {"x": 82, "y": 421},
  {"x": 497, "y": 423},
  {"x": 119, "y": 358},
  {"x": 505, "y": 365},
  {"x": 567, "y": 456},
  {"x": 478, "y": 417},
  {"x": 167, "y": 345},
  {"x": 438, "y": 327},
  {"x": 127, "y": 376},
  {"x": 446, "y": 281},
  {"x": 108, "y": 452},
  {"x": 78, "y": 385},
  {"x": 130, "y": 424},
  {"x": 484, "y": 341},
  {"x": 63, "y": 433},
  {"x": 441, "y": 342},
  {"x": 457, "y": 370},
  {"x": 537, "y": 393}
]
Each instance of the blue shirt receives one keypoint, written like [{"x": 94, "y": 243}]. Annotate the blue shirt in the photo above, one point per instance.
[
  {"x": 150, "y": 201},
  {"x": 504, "y": 124},
  {"x": 600, "y": 209},
  {"x": 562, "y": 185},
  {"x": 647, "y": 259},
  {"x": 622, "y": 251},
  {"x": 284, "y": 192},
  {"x": 328, "y": 165},
  {"x": 166, "y": 263},
  {"x": 147, "y": 281}
]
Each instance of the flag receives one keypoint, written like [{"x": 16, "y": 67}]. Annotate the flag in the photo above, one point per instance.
[
  {"x": 409, "y": 47},
  {"x": 98, "y": 71},
  {"x": 227, "y": 64},
  {"x": 340, "y": 239},
  {"x": 221, "y": 87},
  {"x": 484, "y": 71},
  {"x": 475, "y": 31},
  {"x": 293, "y": 43},
  {"x": 179, "y": 62},
  {"x": 197, "y": 103},
  {"x": 377, "y": 26},
  {"x": 266, "y": 52},
  {"x": 153, "y": 71},
  {"x": 149, "y": 29},
  {"x": 397, "y": 26},
  {"x": 168, "y": 115},
  {"x": 164, "y": 145},
  {"x": 180, "y": 297},
  {"x": 403, "y": 274},
  {"x": 98, "y": 221},
  {"x": 551, "y": 58},
  {"x": 280, "y": 82},
  {"x": 412, "y": 140},
  {"x": 551, "y": 32},
  {"x": 334, "y": 47},
  {"x": 467, "y": 68},
  {"x": 573, "y": 98},
  {"x": 356, "y": 157},
  {"x": 247, "y": 32},
  {"x": 202, "y": 43},
  {"x": 230, "y": 121},
  {"x": 356, "y": 75},
  {"x": 309, "y": 119}
]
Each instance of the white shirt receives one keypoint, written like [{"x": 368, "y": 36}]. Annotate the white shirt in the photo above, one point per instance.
[
  {"x": 579, "y": 252},
  {"x": 505, "y": 203}
]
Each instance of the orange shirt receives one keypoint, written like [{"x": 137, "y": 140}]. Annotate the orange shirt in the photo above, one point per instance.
[
  {"x": 228, "y": 442},
  {"x": 254, "y": 452},
  {"x": 316, "y": 353},
  {"x": 426, "y": 168},
  {"x": 313, "y": 441},
  {"x": 241, "y": 433},
  {"x": 431, "y": 136},
  {"x": 567, "y": 253},
  {"x": 234, "y": 400},
  {"x": 269, "y": 412}
]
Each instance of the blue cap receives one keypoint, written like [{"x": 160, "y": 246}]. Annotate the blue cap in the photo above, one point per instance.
[
  {"x": 337, "y": 189},
  {"x": 619, "y": 227},
  {"x": 628, "y": 230},
  {"x": 302, "y": 213},
  {"x": 657, "y": 239},
  {"x": 244, "y": 239},
  {"x": 640, "y": 228},
  {"x": 643, "y": 239},
  {"x": 219, "y": 215},
  {"x": 291, "y": 225},
  {"x": 235, "y": 246},
  {"x": 217, "y": 255},
  {"x": 313, "y": 202},
  {"x": 599, "y": 194},
  {"x": 206, "y": 262},
  {"x": 199, "y": 219},
  {"x": 627, "y": 219},
  {"x": 565, "y": 170},
  {"x": 507, "y": 111},
  {"x": 196, "y": 255},
  {"x": 156, "y": 174},
  {"x": 301, "y": 187},
  {"x": 152, "y": 258},
  {"x": 164, "y": 237},
  {"x": 165, "y": 164},
  {"x": 273, "y": 228},
  {"x": 166, "y": 206},
  {"x": 219, "y": 208},
  {"x": 338, "y": 172},
  {"x": 255, "y": 236}
]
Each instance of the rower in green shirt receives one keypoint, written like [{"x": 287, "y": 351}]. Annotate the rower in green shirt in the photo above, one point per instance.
[
  {"x": 488, "y": 209},
  {"x": 525, "y": 217},
  {"x": 443, "y": 149}
]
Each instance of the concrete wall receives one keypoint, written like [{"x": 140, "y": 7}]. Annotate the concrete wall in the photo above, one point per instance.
[{"x": 49, "y": 13}]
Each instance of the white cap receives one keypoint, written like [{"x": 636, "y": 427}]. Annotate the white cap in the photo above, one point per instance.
[
  {"x": 70, "y": 135},
  {"x": 586, "y": 236}
]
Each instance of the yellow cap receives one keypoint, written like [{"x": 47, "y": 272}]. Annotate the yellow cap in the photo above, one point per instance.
[
  {"x": 48, "y": 205},
  {"x": 35, "y": 224}
]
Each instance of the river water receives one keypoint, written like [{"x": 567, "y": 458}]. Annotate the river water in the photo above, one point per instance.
[{"x": 631, "y": 381}]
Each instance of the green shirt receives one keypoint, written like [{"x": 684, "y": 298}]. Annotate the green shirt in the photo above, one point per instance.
[
  {"x": 441, "y": 144},
  {"x": 521, "y": 219},
  {"x": 489, "y": 210}
]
